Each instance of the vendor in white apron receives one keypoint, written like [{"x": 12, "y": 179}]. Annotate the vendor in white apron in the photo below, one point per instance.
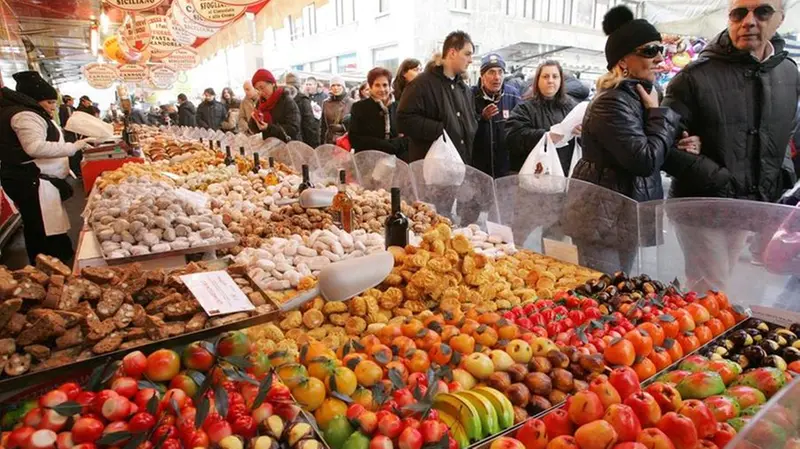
[{"x": 34, "y": 164}]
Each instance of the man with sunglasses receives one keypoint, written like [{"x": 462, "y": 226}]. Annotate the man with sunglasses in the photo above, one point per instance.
[
  {"x": 494, "y": 100},
  {"x": 739, "y": 98}
]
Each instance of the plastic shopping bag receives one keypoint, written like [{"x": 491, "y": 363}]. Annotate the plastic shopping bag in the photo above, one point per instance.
[
  {"x": 568, "y": 125},
  {"x": 384, "y": 169},
  {"x": 577, "y": 154},
  {"x": 542, "y": 170},
  {"x": 89, "y": 126},
  {"x": 443, "y": 165}
]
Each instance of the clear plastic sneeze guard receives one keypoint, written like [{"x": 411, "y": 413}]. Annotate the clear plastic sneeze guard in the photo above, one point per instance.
[{"x": 377, "y": 170}]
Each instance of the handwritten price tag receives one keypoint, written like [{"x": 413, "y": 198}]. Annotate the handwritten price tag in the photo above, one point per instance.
[
  {"x": 561, "y": 250},
  {"x": 217, "y": 293}
]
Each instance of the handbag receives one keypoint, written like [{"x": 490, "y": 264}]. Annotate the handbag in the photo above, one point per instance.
[{"x": 64, "y": 189}]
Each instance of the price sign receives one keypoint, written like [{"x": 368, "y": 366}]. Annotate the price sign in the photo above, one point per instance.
[
  {"x": 502, "y": 231},
  {"x": 132, "y": 73},
  {"x": 100, "y": 76},
  {"x": 162, "y": 77},
  {"x": 182, "y": 59},
  {"x": 217, "y": 293},
  {"x": 161, "y": 40},
  {"x": 134, "y": 5},
  {"x": 562, "y": 251},
  {"x": 135, "y": 32},
  {"x": 218, "y": 12}
]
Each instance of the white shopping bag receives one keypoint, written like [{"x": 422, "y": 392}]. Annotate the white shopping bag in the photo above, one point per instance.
[
  {"x": 384, "y": 169},
  {"x": 443, "y": 165},
  {"x": 89, "y": 126},
  {"x": 542, "y": 170},
  {"x": 568, "y": 125},
  {"x": 577, "y": 154}
]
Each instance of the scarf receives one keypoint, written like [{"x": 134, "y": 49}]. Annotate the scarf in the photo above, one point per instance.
[
  {"x": 265, "y": 107},
  {"x": 387, "y": 125}
]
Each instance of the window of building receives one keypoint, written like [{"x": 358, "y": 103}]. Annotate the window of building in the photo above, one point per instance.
[
  {"x": 556, "y": 13},
  {"x": 461, "y": 5},
  {"x": 310, "y": 19},
  {"x": 321, "y": 66},
  {"x": 346, "y": 63},
  {"x": 345, "y": 12},
  {"x": 386, "y": 57},
  {"x": 541, "y": 10},
  {"x": 383, "y": 6},
  {"x": 295, "y": 28},
  {"x": 583, "y": 13}
]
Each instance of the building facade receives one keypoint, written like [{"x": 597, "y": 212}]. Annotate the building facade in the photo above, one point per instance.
[{"x": 352, "y": 36}]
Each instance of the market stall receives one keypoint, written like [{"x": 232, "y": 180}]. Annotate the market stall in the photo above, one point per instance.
[{"x": 492, "y": 328}]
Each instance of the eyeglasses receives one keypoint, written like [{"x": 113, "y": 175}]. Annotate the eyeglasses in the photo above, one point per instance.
[
  {"x": 762, "y": 13},
  {"x": 650, "y": 51}
]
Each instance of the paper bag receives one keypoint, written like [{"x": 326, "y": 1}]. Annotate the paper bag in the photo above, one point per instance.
[
  {"x": 567, "y": 126},
  {"x": 542, "y": 170},
  {"x": 89, "y": 126},
  {"x": 443, "y": 165}
]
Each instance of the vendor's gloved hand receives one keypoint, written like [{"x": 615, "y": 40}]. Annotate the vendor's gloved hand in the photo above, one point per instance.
[{"x": 81, "y": 144}]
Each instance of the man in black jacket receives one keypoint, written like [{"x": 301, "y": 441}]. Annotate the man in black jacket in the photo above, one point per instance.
[
  {"x": 186, "y": 111},
  {"x": 494, "y": 101},
  {"x": 211, "y": 113},
  {"x": 309, "y": 125},
  {"x": 439, "y": 100},
  {"x": 64, "y": 113},
  {"x": 740, "y": 99}
]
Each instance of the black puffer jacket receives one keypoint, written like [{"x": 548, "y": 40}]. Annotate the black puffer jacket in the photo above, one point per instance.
[
  {"x": 186, "y": 114},
  {"x": 285, "y": 120},
  {"x": 743, "y": 111},
  {"x": 433, "y": 103},
  {"x": 309, "y": 125},
  {"x": 211, "y": 114},
  {"x": 624, "y": 147},
  {"x": 529, "y": 122}
]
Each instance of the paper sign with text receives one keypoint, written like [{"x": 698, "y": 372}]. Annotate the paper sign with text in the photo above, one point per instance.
[
  {"x": 502, "y": 231},
  {"x": 562, "y": 251},
  {"x": 217, "y": 293}
]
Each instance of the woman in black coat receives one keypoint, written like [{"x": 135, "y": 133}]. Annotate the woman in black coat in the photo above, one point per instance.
[
  {"x": 276, "y": 114},
  {"x": 626, "y": 138},
  {"x": 372, "y": 124},
  {"x": 531, "y": 120}
]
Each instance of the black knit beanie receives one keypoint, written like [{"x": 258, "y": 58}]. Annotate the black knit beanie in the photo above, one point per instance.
[
  {"x": 33, "y": 85},
  {"x": 625, "y": 34}
]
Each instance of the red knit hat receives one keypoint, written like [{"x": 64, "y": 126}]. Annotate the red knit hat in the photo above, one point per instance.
[{"x": 263, "y": 75}]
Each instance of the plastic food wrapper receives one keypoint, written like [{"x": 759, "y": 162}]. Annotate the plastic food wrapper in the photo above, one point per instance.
[
  {"x": 567, "y": 126},
  {"x": 89, "y": 125},
  {"x": 447, "y": 168},
  {"x": 542, "y": 169}
]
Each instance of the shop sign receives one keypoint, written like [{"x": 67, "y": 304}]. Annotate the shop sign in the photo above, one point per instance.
[
  {"x": 134, "y": 5},
  {"x": 132, "y": 73},
  {"x": 100, "y": 76},
  {"x": 182, "y": 59},
  {"x": 217, "y": 12},
  {"x": 187, "y": 18},
  {"x": 179, "y": 33},
  {"x": 188, "y": 10},
  {"x": 161, "y": 41},
  {"x": 241, "y": 2},
  {"x": 162, "y": 77},
  {"x": 135, "y": 32}
]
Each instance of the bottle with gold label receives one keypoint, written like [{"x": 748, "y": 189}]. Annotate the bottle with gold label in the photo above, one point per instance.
[
  {"x": 396, "y": 223},
  {"x": 272, "y": 175},
  {"x": 228, "y": 156},
  {"x": 342, "y": 206},
  {"x": 256, "y": 163}
]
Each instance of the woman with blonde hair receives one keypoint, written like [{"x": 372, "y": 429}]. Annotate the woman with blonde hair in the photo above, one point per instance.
[{"x": 626, "y": 138}]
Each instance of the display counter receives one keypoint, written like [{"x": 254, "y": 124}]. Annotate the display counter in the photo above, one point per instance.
[{"x": 499, "y": 305}]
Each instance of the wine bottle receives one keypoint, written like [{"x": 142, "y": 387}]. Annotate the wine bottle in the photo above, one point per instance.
[
  {"x": 306, "y": 184},
  {"x": 241, "y": 151},
  {"x": 272, "y": 175},
  {"x": 342, "y": 206},
  {"x": 228, "y": 157},
  {"x": 256, "y": 162},
  {"x": 396, "y": 223}
]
